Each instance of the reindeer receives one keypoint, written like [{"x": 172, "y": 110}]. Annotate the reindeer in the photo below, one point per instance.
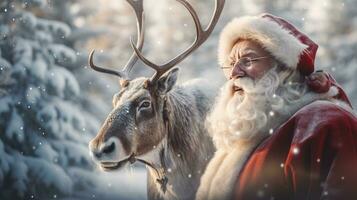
[{"x": 156, "y": 122}]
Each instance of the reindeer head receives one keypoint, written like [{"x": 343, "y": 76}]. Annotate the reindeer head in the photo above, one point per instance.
[{"x": 137, "y": 123}]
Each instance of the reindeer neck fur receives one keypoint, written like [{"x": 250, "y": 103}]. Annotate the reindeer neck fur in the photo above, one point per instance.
[{"x": 186, "y": 147}]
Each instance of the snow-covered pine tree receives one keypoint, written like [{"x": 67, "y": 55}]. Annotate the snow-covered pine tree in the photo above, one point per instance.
[
  {"x": 96, "y": 93},
  {"x": 43, "y": 133}
]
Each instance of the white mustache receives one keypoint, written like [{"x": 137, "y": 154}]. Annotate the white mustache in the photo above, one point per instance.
[
  {"x": 267, "y": 84},
  {"x": 247, "y": 84}
]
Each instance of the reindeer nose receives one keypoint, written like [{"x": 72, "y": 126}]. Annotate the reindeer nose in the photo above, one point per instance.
[
  {"x": 105, "y": 150},
  {"x": 97, "y": 154},
  {"x": 109, "y": 148}
]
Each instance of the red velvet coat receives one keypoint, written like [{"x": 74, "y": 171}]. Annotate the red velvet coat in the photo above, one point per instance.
[{"x": 311, "y": 156}]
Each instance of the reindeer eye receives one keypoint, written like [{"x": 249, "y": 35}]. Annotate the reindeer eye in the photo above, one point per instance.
[{"x": 144, "y": 104}]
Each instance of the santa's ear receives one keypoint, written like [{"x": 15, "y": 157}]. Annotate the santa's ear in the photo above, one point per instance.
[{"x": 167, "y": 81}]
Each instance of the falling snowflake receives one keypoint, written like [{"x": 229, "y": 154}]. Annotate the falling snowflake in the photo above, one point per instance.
[
  {"x": 271, "y": 113},
  {"x": 260, "y": 193},
  {"x": 296, "y": 150}
]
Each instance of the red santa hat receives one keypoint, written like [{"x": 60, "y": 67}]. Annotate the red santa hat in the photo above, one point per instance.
[{"x": 284, "y": 41}]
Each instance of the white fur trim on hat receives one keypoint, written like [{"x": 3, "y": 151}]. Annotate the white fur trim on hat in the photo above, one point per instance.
[{"x": 274, "y": 38}]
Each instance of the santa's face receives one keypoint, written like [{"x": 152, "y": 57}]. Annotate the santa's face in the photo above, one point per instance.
[
  {"x": 243, "y": 108},
  {"x": 247, "y": 59},
  {"x": 256, "y": 98}
]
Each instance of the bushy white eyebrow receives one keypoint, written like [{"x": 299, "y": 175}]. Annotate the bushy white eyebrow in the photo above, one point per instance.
[
  {"x": 241, "y": 53},
  {"x": 247, "y": 51}
]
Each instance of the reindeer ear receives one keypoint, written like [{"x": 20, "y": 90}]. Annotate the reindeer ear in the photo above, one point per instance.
[{"x": 167, "y": 81}]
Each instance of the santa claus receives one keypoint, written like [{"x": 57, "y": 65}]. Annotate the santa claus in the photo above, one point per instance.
[{"x": 282, "y": 131}]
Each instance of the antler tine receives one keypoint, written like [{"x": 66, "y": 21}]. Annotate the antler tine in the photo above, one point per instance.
[
  {"x": 137, "y": 6},
  {"x": 103, "y": 70},
  {"x": 201, "y": 36}
]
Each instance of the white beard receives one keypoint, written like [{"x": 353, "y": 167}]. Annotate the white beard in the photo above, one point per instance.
[
  {"x": 243, "y": 116},
  {"x": 264, "y": 105},
  {"x": 239, "y": 123}
]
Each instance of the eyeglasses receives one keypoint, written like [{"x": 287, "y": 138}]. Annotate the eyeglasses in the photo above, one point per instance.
[{"x": 244, "y": 62}]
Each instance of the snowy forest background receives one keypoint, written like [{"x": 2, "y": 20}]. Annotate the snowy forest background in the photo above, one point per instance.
[{"x": 52, "y": 104}]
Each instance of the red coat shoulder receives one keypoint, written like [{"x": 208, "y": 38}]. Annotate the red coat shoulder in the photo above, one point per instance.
[
  {"x": 323, "y": 112},
  {"x": 313, "y": 155},
  {"x": 321, "y": 117}
]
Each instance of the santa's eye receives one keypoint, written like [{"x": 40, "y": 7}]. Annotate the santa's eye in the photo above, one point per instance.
[
  {"x": 232, "y": 63},
  {"x": 245, "y": 62}
]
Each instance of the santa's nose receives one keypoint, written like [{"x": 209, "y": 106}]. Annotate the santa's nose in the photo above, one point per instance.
[{"x": 237, "y": 71}]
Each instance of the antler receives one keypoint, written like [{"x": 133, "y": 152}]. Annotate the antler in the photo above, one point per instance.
[
  {"x": 137, "y": 6},
  {"x": 201, "y": 36}
]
